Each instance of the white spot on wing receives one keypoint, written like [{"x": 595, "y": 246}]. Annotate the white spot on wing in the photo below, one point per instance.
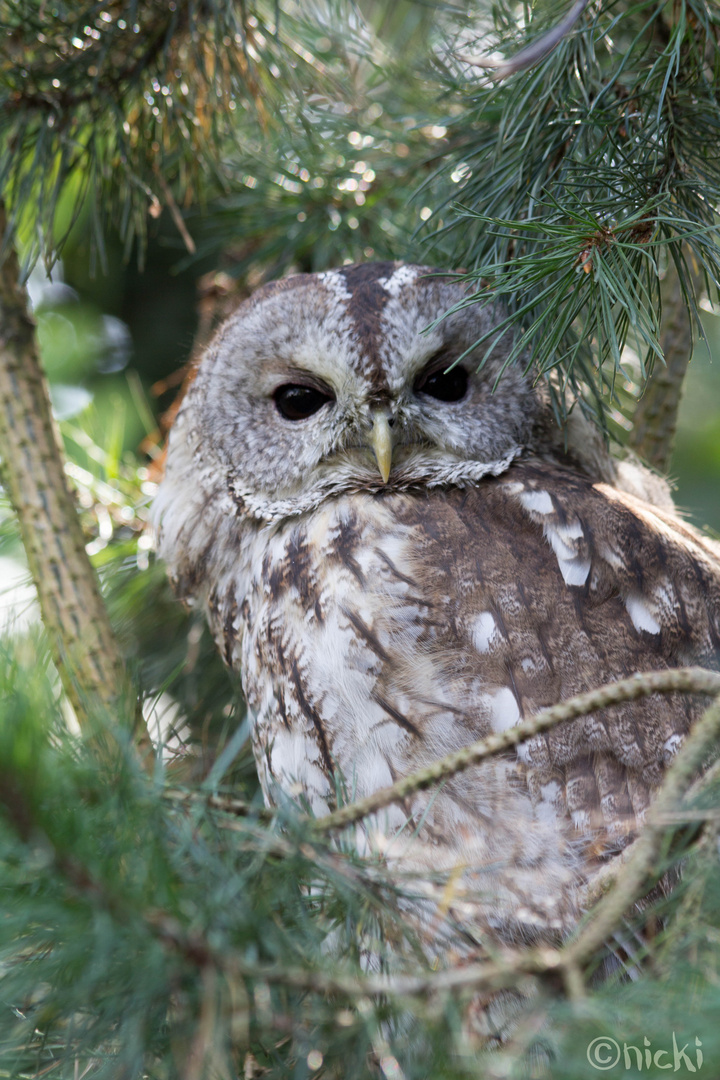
[
  {"x": 483, "y": 632},
  {"x": 574, "y": 571},
  {"x": 504, "y": 709},
  {"x": 641, "y": 615},
  {"x": 613, "y": 558},
  {"x": 571, "y": 531},
  {"x": 539, "y": 501},
  {"x": 671, "y": 746},
  {"x": 573, "y": 567}
]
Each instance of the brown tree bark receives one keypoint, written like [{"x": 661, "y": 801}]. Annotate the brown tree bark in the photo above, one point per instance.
[{"x": 83, "y": 645}]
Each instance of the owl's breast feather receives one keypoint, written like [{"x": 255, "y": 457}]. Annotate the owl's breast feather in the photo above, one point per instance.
[{"x": 381, "y": 632}]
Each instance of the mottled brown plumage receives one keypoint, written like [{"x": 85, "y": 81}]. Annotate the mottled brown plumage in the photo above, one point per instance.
[{"x": 504, "y": 566}]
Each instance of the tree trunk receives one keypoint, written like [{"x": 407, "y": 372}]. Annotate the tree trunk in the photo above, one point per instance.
[{"x": 82, "y": 642}]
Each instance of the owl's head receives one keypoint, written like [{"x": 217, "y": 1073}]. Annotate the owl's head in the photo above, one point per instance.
[{"x": 348, "y": 380}]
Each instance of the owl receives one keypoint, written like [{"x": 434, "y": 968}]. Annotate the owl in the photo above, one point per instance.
[{"x": 401, "y": 551}]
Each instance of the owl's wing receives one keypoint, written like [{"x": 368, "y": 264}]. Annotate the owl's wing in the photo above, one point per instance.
[
  {"x": 557, "y": 585},
  {"x": 381, "y": 633}
]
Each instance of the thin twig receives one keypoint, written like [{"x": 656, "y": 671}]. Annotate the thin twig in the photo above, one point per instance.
[
  {"x": 684, "y": 680},
  {"x": 534, "y": 52},
  {"x": 175, "y": 212},
  {"x": 237, "y": 807},
  {"x": 683, "y": 817},
  {"x": 196, "y": 949}
]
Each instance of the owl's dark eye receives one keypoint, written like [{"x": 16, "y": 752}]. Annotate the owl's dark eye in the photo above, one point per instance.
[
  {"x": 299, "y": 402},
  {"x": 446, "y": 385}
]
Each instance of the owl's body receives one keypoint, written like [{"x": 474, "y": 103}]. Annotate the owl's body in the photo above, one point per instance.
[{"x": 380, "y": 622}]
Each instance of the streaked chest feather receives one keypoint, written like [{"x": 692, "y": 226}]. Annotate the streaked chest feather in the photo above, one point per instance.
[{"x": 379, "y": 633}]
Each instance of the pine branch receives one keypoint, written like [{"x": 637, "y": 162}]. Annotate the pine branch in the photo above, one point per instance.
[
  {"x": 235, "y": 807},
  {"x": 577, "y": 178},
  {"x": 632, "y": 880},
  {"x": 83, "y": 645},
  {"x": 122, "y": 932},
  {"x": 116, "y": 112},
  {"x": 535, "y": 52},
  {"x": 678, "y": 680}
]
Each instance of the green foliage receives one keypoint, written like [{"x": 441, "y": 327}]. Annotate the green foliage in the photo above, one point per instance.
[
  {"x": 284, "y": 137},
  {"x": 149, "y": 930},
  {"x": 133, "y": 927},
  {"x": 117, "y": 110},
  {"x": 176, "y": 668},
  {"x": 583, "y": 178},
  {"x": 341, "y": 190}
]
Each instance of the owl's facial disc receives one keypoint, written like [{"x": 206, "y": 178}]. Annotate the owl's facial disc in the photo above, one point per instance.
[{"x": 355, "y": 379}]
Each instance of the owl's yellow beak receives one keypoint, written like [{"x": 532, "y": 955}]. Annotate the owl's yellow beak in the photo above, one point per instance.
[{"x": 381, "y": 442}]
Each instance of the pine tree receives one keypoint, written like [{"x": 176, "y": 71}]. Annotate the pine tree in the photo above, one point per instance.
[{"x": 156, "y": 920}]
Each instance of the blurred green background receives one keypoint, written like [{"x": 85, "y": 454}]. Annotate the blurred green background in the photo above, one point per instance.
[{"x": 696, "y": 460}]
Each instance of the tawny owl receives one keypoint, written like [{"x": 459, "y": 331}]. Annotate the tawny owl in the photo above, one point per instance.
[{"x": 402, "y": 554}]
